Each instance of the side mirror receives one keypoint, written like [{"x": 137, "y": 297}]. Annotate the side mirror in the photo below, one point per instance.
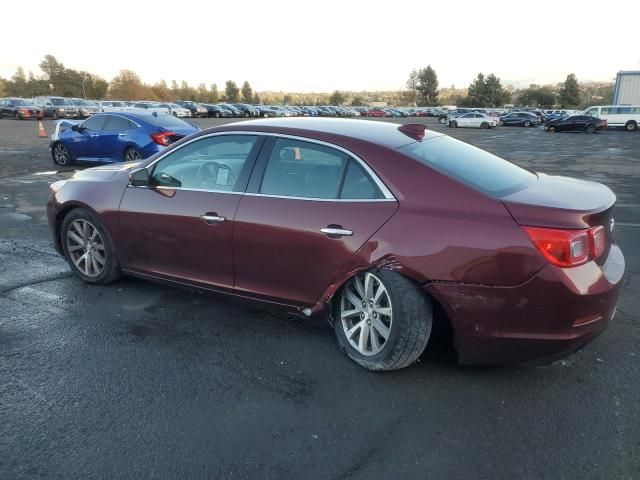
[
  {"x": 139, "y": 177},
  {"x": 76, "y": 127}
]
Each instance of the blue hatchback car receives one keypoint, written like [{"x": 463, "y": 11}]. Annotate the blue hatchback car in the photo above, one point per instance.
[{"x": 116, "y": 137}]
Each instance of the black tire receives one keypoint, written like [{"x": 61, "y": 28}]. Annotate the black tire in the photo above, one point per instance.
[
  {"x": 527, "y": 124},
  {"x": 453, "y": 124},
  {"x": 501, "y": 123},
  {"x": 174, "y": 114},
  {"x": 443, "y": 120},
  {"x": 265, "y": 115},
  {"x": 55, "y": 115},
  {"x": 111, "y": 270},
  {"x": 246, "y": 114},
  {"x": 60, "y": 155},
  {"x": 217, "y": 115},
  {"x": 484, "y": 125},
  {"x": 551, "y": 129},
  {"x": 410, "y": 329},
  {"x": 591, "y": 128},
  {"x": 631, "y": 126},
  {"x": 18, "y": 117},
  {"x": 131, "y": 154}
]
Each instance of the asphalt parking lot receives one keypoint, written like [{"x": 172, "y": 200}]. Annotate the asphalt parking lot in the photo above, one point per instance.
[{"x": 138, "y": 380}]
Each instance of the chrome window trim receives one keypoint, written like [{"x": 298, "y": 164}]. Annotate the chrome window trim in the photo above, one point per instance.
[{"x": 388, "y": 196}]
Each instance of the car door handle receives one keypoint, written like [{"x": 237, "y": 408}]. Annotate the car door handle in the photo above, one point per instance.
[
  {"x": 336, "y": 232},
  {"x": 94, "y": 135},
  {"x": 122, "y": 134},
  {"x": 212, "y": 218}
]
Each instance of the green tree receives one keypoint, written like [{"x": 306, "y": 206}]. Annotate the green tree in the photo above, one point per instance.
[
  {"x": 287, "y": 99},
  {"x": 536, "y": 96},
  {"x": 53, "y": 70},
  {"x": 357, "y": 101},
  {"x": 231, "y": 91},
  {"x": 247, "y": 92},
  {"x": 337, "y": 98},
  {"x": 427, "y": 86},
  {"x": 570, "y": 92},
  {"x": 486, "y": 92},
  {"x": 214, "y": 95},
  {"x": 412, "y": 86},
  {"x": 2, "y": 88},
  {"x": 256, "y": 99}
]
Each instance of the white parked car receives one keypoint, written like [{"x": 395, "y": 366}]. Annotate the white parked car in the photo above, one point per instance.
[
  {"x": 474, "y": 120},
  {"x": 112, "y": 106},
  {"x": 176, "y": 110},
  {"x": 150, "y": 107}
]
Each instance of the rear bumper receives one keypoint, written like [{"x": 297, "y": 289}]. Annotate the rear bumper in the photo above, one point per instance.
[{"x": 550, "y": 316}]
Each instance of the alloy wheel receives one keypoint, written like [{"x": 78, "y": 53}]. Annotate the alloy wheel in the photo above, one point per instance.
[
  {"x": 86, "y": 248},
  {"x": 132, "y": 155},
  {"x": 60, "y": 154},
  {"x": 366, "y": 314}
]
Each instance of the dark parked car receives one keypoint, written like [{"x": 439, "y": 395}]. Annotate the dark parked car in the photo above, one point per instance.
[
  {"x": 576, "y": 123},
  {"x": 116, "y": 137},
  {"x": 378, "y": 226},
  {"x": 19, "y": 108},
  {"x": 519, "y": 119},
  {"x": 217, "y": 111},
  {"x": 235, "y": 111},
  {"x": 248, "y": 110}
]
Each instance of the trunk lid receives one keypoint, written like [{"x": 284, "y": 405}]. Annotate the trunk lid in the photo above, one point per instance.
[{"x": 564, "y": 203}]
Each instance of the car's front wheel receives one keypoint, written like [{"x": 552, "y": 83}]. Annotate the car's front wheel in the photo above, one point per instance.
[
  {"x": 631, "y": 126},
  {"x": 61, "y": 155},
  {"x": 527, "y": 124},
  {"x": 591, "y": 128},
  {"x": 88, "y": 248},
  {"x": 382, "y": 320}
]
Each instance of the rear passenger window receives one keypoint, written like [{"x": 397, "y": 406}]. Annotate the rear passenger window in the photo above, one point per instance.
[
  {"x": 119, "y": 124},
  {"x": 303, "y": 169},
  {"x": 358, "y": 185}
]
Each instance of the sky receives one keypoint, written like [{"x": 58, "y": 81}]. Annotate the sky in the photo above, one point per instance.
[{"x": 321, "y": 46}]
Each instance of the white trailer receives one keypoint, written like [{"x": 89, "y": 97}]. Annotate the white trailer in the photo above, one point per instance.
[{"x": 627, "y": 91}]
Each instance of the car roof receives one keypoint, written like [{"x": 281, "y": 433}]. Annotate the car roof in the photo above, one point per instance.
[{"x": 381, "y": 133}]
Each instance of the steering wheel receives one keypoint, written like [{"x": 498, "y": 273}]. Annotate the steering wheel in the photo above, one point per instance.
[{"x": 208, "y": 174}]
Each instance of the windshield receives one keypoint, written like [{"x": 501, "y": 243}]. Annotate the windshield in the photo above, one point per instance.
[
  {"x": 472, "y": 166},
  {"x": 60, "y": 101}
]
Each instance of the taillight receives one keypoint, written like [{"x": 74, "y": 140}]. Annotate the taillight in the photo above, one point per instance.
[
  {"x": 598, "y": 240},
  {"x": 563, "y": 248},
  {"x": 162, "y": 138}
]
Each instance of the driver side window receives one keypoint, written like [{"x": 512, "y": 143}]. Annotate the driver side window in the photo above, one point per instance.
[{"x": 212, "y": 164}]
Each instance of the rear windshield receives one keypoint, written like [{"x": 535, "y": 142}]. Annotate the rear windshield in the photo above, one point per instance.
[
  {"x": 473, "y": 166},
  {"x": 166, "y": 121}
]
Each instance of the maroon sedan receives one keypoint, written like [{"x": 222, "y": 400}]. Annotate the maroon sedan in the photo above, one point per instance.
[{"x": 375, "y": 225}]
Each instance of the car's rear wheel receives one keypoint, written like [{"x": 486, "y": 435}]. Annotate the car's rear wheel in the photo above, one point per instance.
[
  {"x": 443, "y": 120},
  {"x": 591, "y": 128},
  {"x": 175, "y": 114},
  {"x": 265, "y": 115},
  {"x": 552, "y": 129},
  {"x": 484, "y": 125},
  {"x": 631, "y": 126},
  {"x": 88, "y": 248},
  {"x": 501, "y": 123},
  {"x": 382, "y": 320},
  {"x": 55, "y": 115},
  {"x": 453, "y": 124},
  {"x": 61, "y": 155},
  {"x": 246, "y": 114},
  {"x": 132, "y": 154}
]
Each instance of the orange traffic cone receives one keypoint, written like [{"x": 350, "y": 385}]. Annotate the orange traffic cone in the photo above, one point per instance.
[{"x": 41, "y": 132}]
